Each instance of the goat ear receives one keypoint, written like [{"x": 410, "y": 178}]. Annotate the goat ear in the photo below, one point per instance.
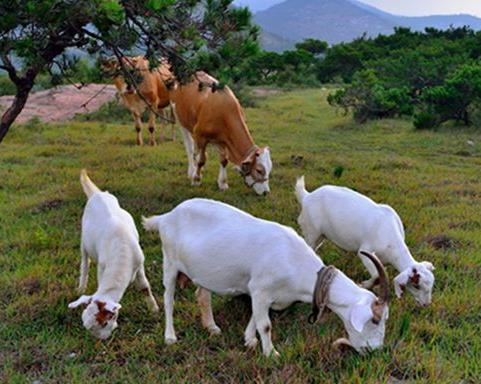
[
  {"x": 360, "y": 315},
  {"x": 400, "y": 282},
  {"x": 80, "y": 301},
  {"x": 428, "y": 265}
]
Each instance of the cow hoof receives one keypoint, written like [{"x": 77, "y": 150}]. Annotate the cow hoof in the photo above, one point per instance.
[
  {"x": 214, "y": 330},
  {"x": 224, "y": 187},
  {"x": 252, "y": 343},
  {"x": 196, "y": 182},
  {"x": 170, "y": 340}
]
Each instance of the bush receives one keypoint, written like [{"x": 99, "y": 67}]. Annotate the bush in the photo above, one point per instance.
[
  {"x": 453, "y": 99},
  {"x": 368, "y": 99},
  {"x": 425, "y": 120},
  {"x": 6, "y": 86}
]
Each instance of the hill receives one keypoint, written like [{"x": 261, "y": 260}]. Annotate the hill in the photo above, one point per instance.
[{"x": 338, "y": 21}]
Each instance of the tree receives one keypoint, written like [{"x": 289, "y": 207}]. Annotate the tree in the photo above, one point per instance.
[
  {"x": 452, "y": 99},
  {"x": 34, "y": 35},
  {"x": 369, "y": 99},
  {"x": 314, "y": 46}
]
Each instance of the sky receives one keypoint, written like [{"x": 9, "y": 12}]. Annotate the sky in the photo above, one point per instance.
[{"x": 399, "y": 7}]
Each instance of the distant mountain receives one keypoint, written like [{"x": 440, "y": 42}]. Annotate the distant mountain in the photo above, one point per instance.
[
  {"x": 338, "y": 21},
  {"x": 331, "y": 20},
  {"x": 275, "y": 43}
]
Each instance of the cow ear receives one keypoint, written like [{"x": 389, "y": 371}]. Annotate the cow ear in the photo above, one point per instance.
[
  {"x": 82, "y": 300},
  {"x": 360, "y": 315},
  {"x": 246, "y": 166}
]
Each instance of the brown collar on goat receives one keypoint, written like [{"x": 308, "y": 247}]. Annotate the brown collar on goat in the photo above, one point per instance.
[{"x": 325, "y": 276}]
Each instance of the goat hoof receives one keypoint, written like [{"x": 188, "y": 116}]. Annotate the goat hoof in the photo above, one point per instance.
[
  {"x": 214, "y": 330},
  {"x": 368, "y": 284},
  {"x": 155, "y": 308},
  {"x": 273, "y": 354},
  {"x": 170, "y": 340},
  {"x": 252, "y": 343}
]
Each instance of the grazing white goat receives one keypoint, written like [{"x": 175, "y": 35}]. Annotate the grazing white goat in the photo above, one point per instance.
[
  {"x": 227, "y": 251},
  {"x": 110, "y": 238},
  {"x": 356, "y": 223}
]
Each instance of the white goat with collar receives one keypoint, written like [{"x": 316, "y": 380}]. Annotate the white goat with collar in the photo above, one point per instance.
[
  {"x": 229, "y": 252},
  {"x": 110, "y": 238},
  {"x": 355, "y": 223}
]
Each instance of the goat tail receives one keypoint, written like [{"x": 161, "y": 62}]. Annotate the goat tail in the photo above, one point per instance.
[
  {"x": 301, "y": 192},
  {"x": 152, "y": 223},
  {"x": 88, "y": 186}
]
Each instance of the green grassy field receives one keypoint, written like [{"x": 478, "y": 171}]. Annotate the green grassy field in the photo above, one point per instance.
[{"x": 432, "y": 179}]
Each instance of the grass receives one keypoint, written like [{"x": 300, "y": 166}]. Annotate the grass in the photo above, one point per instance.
[{"x": 430, "y": 178}]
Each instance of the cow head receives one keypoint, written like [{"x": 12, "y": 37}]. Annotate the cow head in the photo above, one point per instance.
[
  {"x": 417, "y": 279},
  {"x": 256, "y": 169},
  {"x": 99, "y": 316}
]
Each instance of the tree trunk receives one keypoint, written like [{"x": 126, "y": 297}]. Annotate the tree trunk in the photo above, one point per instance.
[{"x": 14, "y": 110}]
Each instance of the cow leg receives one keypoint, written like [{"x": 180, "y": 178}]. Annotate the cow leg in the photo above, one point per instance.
[
  {"x": 205, "y": 304},
  {"x": 152, "y": 129},
  {"x": 189, "y": 148},
  {"x": 222, "y": 179},
  {"x": 201, "y": 158},
  {"x": 138, "y": 127},
  {"x": 171, "y": 116}
]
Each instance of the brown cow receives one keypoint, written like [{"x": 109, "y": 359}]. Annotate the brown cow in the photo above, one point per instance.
[
  {"x": 152, "y": 88},
  {"x": 209, "y": 114}
]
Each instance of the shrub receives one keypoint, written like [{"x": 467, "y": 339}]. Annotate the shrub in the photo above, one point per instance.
[
  {"x": 6, "y": 86},
  {"x": 452, "y": 100},
  {"x": 425, "y": 120},
  {"x": 367, "y": 98}
]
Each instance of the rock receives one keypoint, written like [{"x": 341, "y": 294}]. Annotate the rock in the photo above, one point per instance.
[{"x": 62, "y": 103}]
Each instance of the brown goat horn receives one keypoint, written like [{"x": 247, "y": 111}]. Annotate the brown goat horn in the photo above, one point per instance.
[{"x": 383, "y": 279}]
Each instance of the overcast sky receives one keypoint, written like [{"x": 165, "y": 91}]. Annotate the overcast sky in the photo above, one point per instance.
[{"x": 399, "y": 7}]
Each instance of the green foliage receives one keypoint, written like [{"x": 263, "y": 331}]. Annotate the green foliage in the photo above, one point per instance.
[
  {"x": 425, "y": 120},
  {"x": 189, "y": 33},
  {"x": 452, "y": 100},
  {"x": 313, "y": 46},
  {"x": 431, "y": 75},
  {"x": 295, "y": 67},
  {"x": 369, "y": 99},
  {"x": 7, "y": 87}
]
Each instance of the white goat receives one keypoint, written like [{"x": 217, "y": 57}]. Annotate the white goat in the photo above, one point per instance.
[
  {"x": 356, "y": 223},
  {"x": 229, "y": 252},
  {"x": 110, "y": 238}
]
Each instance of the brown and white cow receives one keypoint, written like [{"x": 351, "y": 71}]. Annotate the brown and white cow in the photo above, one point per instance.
[
  {"x": 152, "y": 89},
  {"x": 209, "y": 114}
]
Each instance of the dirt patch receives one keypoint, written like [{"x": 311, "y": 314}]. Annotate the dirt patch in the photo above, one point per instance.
[
  {"x": 62, "y": 103},
  {"x": 47, "y": 205},
  {"x": 265, "y": 92},
  {"x": 30, "y": 285},
  {"x": 443, "y": 242}
]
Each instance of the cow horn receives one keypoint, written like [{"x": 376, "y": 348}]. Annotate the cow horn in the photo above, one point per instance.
[{"x": 378, "y": 306}]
